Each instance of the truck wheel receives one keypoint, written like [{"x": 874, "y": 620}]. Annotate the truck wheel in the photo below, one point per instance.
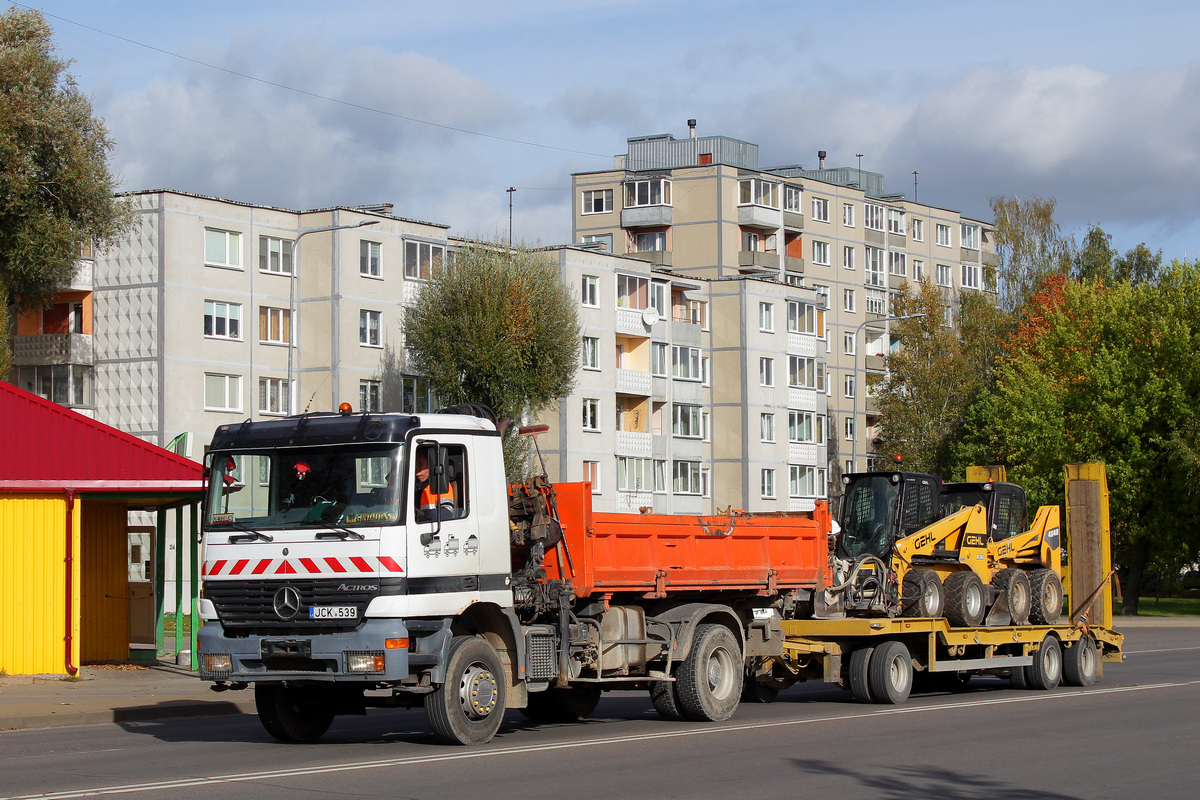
[
  {"x": 1047, "y": 597},
  {"x": 890, "y": 673},
  {"x": 709, "y": 681},
  {"x": 469, "y": 707},
  {"x": 921, "y": 594},
  {"x": 1046, "y": 670},
  {"x": 755, "y": 692},
  {"x": 1014, "y": 584},
  {"x": 562, "y": 705},
  {"x": 964, "y": 599},
  {"x": 860, "y": 685},
  {"x": 666, "y": 701},
  {"x": 292, "y": 713},
  {"x": 1080, "y": 663},
  {"x": 1017, "y": 678}
]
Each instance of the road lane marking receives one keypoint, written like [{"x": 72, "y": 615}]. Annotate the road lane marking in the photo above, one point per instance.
[
  {"x": 1164, "y": 650},
  {"x": 707, "y": 730}
]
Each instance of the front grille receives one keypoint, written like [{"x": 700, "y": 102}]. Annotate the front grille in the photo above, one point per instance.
[{"x": 251, "y": 604}]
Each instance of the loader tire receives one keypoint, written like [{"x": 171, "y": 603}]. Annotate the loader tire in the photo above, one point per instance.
[
  {"x": 1081, "y": 663},
  {"x": 469, "y": 707},
  {"x": 860, "y": 663},
  {"x": 709, "y": 681},
  {"x": 1047, "y": 668},
  {"x": 1014, "y": 585},
  {"x": 1046, "y": 594},
  {"x": 964, "y": 599},
  {"x": 922, "y": 594},
  {"x": 562, "y": 705},
  {"x": 890, "y": 673}
]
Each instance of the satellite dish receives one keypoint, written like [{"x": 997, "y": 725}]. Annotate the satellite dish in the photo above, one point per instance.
[{"x": 649, "y": 317}]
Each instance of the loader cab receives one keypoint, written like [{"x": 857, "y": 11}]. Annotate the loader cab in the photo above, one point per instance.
[
  {"x": 1007, "y": 513},
  {"x": 878, "y": 508}
]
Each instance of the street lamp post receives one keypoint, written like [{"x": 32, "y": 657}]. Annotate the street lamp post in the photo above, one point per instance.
[
  {"x": 293, "y": 328},
  {"x": 854, "y": 407}
]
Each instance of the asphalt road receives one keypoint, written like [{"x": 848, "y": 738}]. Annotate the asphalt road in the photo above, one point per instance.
[{"x": 1133, "y": 735}]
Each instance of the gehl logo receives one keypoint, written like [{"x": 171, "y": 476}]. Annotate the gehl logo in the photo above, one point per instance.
[
  {"x": 924, "y": 539},
  {"x": 357, "y": 587}
]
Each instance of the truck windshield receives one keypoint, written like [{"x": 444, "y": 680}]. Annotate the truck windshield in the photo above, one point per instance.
[
  {"x": 868, "y": 516},
  {"x": 304, "y": 487}
]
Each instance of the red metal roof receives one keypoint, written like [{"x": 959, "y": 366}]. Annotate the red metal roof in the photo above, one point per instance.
[{"x": 46, "y": 446}]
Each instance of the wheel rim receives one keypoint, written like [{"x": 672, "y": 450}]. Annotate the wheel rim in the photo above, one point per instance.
[
  {"x": 1053, "y": 664},
  {"x": 720, "y": 673},
  {"x": 1018, "y": 599},
  {"x": 478, "y": 691},
  {"x": 929, "y": 598},
  {"x": 973, "y": 599},
  {"x": 897, "y": 673},
  {"x": 1088, "y": 657}
]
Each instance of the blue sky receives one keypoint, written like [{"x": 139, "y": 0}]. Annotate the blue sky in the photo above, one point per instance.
[{"x": 1096, "y": 104}]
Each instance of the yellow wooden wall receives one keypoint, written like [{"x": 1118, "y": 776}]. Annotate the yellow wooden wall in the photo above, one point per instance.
[
  {"x": 104, "y": 587},
  {"x": 32, "y": 583}
]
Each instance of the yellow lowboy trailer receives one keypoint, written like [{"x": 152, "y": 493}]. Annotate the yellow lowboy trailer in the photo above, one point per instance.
[{"x": 878, "y": 659}]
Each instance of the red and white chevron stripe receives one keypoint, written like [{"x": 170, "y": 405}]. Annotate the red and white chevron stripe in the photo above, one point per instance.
[{"x": 328, "y": 566}]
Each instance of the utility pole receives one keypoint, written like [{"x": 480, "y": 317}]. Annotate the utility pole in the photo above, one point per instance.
[
  {"x": 510, "y": 191},
  {"x": 915, "y": 174},
  {"x": 860, "y": 183}
]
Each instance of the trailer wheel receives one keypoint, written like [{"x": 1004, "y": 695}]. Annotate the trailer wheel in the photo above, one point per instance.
[
  {"x": 890, "y": 673},
  {"x": 666, "y": 701},
  {"x": 1047, "y": 597},
  {"x": 1014, "y": 584},
  {"x": 860, "y": 685},
  {"x": 562, "y": 705},
  {"x": 469, "y": 707},
  {"x": 709, "y": 681},
  {"x": 1046, "y": 670},
  {"x": 292, "y": 713},
  {"x": 1017, "y": 678},
  {"x": 1081, "y": 662},
  {"x": 964, "y": 599},
  {"x": 922, "y": 594}
]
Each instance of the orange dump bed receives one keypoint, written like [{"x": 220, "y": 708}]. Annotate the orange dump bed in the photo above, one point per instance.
[{"x": 656, "y": 554}]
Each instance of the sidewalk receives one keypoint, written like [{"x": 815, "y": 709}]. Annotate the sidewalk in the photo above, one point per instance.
[{"x": 113, "y": 693}]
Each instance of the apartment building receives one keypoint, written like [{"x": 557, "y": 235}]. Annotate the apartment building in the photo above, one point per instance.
[{"x": 702, "y": 207}]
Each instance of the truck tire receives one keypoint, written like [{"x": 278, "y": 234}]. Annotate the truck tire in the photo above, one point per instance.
[
  {"x": 563, "y": 705},
  {"x": 922, "y": 594},
  {"x": 1046, "y": 594},
  {"x": 469, "y": 707},
  {"x": 709, "y": 681},
  {"x": 666, "y": 701},
  {"x": 1014, "y": 585},
  {"x": 1081, "y": 663},
  {"x": 292, "y": 713},
  {"x": 1046, "y": 670},
  {"x": 890, "y": 673},
  {"x": 964, "y": 599},
  {"x": 755, "y": 692},
  {"x": 860, "y": 685}
]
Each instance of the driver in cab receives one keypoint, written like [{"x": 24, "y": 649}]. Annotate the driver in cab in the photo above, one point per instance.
[{"x": 431, "y": 504}]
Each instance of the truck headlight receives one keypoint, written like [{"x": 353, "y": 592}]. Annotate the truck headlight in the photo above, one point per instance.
[
  {"x": 365, "y": 661},
  {"x": 216, "y": 663}
]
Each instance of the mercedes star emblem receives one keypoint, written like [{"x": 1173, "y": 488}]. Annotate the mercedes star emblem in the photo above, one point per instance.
[{"x": 287, "y": 603}]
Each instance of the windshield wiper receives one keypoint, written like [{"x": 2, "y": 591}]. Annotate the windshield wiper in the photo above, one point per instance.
[
  {"x": 340, "y": 533},
  {"x": 248, "y": 535}
]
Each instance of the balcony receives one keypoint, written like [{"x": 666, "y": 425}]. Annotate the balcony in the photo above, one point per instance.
[
  {"x": 632, "y": 322},
  {"x": 634, "y": 501},
  {"x": 635, "y": 444},
  {"x": 81, "y": 281},
  {"x": 758, "y": 217},
  {"x": 806, "y": 453},
  {"x": 793, "y": 221},
  {"x": 52, "y": 348},
  {"x": 802, "y": 503},
  {"x": 793, "y": 264},
  {"x": 634, "y": 381},
  {"x": 661, "y": 258},
  {"x": 802, "y": 344},
  {"x": 873, "y": 237},
  {"x": 647, "y": 216},
  {"x": 753, "y": 258},
  {"x": 968, "y": 255},
  {"x": 991, "y": 260}
]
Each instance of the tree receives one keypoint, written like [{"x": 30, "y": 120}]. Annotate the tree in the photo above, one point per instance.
[
  {"x": 1030, "y": 245},
  {"x": 1106, "y": 372},
  {"x": 496, "y": 326},
  {"x": 56, "y": 191},
  {"x": 1097, "y": 260}
]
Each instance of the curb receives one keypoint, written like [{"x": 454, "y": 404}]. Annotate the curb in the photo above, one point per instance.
[{"x": 169, "y": 709}]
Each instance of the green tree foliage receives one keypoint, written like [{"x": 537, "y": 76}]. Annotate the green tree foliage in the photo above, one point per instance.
[
  {"x": 1031, "y": 247},
  {"x": 498, "y": 327},
  {"x": 1097, "y": 260},
  {"x": 56, "y": 191},
  {"x": 934, "y": 375},
  {"x": 1105, "y": 372}
]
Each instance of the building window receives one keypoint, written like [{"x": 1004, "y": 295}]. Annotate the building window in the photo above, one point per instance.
[
  {"x": 222, "y": 392},
  {"x": 767, "y": 484},
  {"x": 820, "y": 209},
  {"x": 370, "y": 396},
  {"x": 848, "y": 300},
  {"x": 918, "y": 230},
  {"x": 821, "y": 253},
  {"x": 635, "y": 474},
  {"x": 822, "y": 293},
  {"x": 686, "y": 477},
  {"x": 805, "y": 318},
  {"x": 591, "y": 353},
  {"x": 791, "y": 199},
  {"x": 942, "y": 233},
  {"x": 421, "y": 259},
  {"x": 222, "y": 320},
  {"x": 591, "y": 414},
  {"x": 751, "y": 242},
  {"x": 873, "y": 271},
  {"x": 896, "y": 263},
  {"x": 848, "y": 343},
  {"x": 806, "y": 373},
  {"x": 687, "y": 421},
  {"x": 970, "y": 236},
  {"x": 275, "y": 255},
  {"x": 591, "y": 474},
  {"x": 685, "y": 363},
  {"x": 766, "y": 372},
  {"x": 655, "y": 192},
  {"x": 633, "y": 292},
  {"x": 650, "y": 242},
  {"x": 847, "y": 257},
  {"x": 755, "y": 191},
  {"x": 806, "y": 481},
  {"x": 895, "y": 219},
  {"x": 368, "y": 258},
  {"x": 605, "y": 240},
  {"x": 848, "y": 215},
  {"x": 660, "y": 476},
  {"x": 658, "y": 298},
  {"x": 918, "y": 269},
  {"x": 766, "y": 427},
  {"x": 368, "y": 328},
  {"x": 697, "y": 313},
  {"x": 64, "y": 384},
  {"x": 873, "y": 216},
  {"x": 875, "y": 301},
  {"x": 658, "y": 359},
  {"x": 849, "y": 429},
  {"x": 274, "y": 325},
  {"x": 766, "y": 317},
  {"x": 970, "y": 276},
  {"x": 945, "y": 276},
  {"x": 588, "y": 295},
  {"x": 222, "y": 248},
  {"x": 848, "y": 386},
  {"x": 806, "y": 427},
  {"x": 598, "y": 201},
  {"x": 273, "y": 395}
]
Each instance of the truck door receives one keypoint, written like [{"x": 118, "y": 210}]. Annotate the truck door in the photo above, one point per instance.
[{"x": 443, "y": 526}]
